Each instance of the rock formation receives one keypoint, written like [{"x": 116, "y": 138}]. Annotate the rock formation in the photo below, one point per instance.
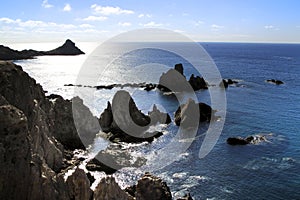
[
  {"x": 31, "y": 158},
  {"x": 175, "y": 81},
  {"x": 127, "y": 123},
  {"x": 253, "y": 139},
  {"x": 186, "y": 114},
  {"x": 151, "y": 187},
  {"x": 68, "y": 48}
]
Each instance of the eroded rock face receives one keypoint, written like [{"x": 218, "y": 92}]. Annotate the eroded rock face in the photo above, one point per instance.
[
  {"x": 108, "y": 189},
  {"x": 31, "y": 158},
  {"x": 151, "y": 187},
  {"x": 186, "y": 114},
  {"x": 79, "y": 186},
  {"x": 127, "y": 123}
]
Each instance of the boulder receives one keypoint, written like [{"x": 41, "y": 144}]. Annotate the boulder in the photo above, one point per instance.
[
  {"x": 186, "y": 114},
  {"x": 237, "y": 141},
  {"x": 126, "y": 123},
  {"x": 152, "y": 187},
  {"x": 108, "y": 189}
]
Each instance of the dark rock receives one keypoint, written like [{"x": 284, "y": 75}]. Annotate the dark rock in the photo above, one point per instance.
[
  {"x": 179, "y": 67},
  {"x": 151, "y": 187},
  {"x": 96, "y": 165},
  {"x": 224, "y": 83},
  {"x": 91, "y": 178},
  {"x": 277, "y": 82},
  {"x": 237, "y": 141},
  {"x": 187, "y": 113},
  {"x": 126, "y": 122},
  {"x": 68, "y": 48},
  {"x": 131, "y": 190},
  {"x": 79, "y": 185},
  {"x": 230, "y": 82},
  {"x": 197, "y": 83},
  {"x": 149, "y": 87},
  {"x": 186, "y": 197},
  {"x": 253, "y": 139},
  {"x": 108, "y": 189}
]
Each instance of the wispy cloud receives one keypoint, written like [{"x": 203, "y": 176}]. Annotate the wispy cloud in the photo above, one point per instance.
[
  {"x": 108, "y": 10},
  {"x": 144, "y": 15},
  {"x": 199, "y": 22},
  {"x": 216, "y": 27},
  {"x": 95, "y": 18},
  {"x": 45, "y": 4},
  {"x": 124, "y": 24},
  {"x": 67, "y": 8},
  {"x": 86, "y": 26},
  {"x": 152, "y": 24},
  {"x": 271, "y": 27}
]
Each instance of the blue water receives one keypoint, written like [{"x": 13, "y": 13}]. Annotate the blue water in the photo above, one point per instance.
[{"x": 269, "y": 170}]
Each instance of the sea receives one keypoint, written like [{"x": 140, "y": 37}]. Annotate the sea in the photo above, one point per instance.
[{"x": 268, "y": 170}]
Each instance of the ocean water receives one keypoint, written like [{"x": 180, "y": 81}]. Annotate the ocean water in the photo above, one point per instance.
[{"x": 269, "y": 170}]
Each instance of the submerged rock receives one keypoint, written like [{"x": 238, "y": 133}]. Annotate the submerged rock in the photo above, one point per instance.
[
  {"x": 187, "y": 114},
  {"x": 127, "y": 123},
  {"x": 277, "y": 82}
]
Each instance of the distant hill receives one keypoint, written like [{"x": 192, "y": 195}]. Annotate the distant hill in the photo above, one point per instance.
[{"x": 68, "y": 48}]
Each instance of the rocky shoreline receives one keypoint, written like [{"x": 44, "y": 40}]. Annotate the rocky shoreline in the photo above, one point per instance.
[{"x": 38, "y": 136}]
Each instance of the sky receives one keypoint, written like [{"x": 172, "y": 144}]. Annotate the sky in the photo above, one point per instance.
[{"x": 275, "y": 21}]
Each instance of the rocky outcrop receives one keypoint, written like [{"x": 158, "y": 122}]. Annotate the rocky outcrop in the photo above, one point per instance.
[
  {"x": 68, "y": 48},
  {"x": 108, "y": 189},
  {"x": 127, "y": 123},
  {"x": 253, "y": 139},
  {"x": 152, "y": 187},
  {"x": 78, "y": 185},
  {"x": 175, "y": 81},
  {"x": 277, "y": 82},
  {"x": 197, "y": 82},
  {"x": 226, "y": 82},
  {"x": 31, "y": 158},
  {"x": 114, "y": 158},
  {"x": 186, "y": 114}
]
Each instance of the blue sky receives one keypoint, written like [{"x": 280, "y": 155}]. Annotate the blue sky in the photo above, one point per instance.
[{"x": 201, "y": 20}]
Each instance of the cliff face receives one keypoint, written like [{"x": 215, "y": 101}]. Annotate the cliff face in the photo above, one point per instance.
[
  {"x": 31, "y": 158},
  {"x": 68, "y": 48}
]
